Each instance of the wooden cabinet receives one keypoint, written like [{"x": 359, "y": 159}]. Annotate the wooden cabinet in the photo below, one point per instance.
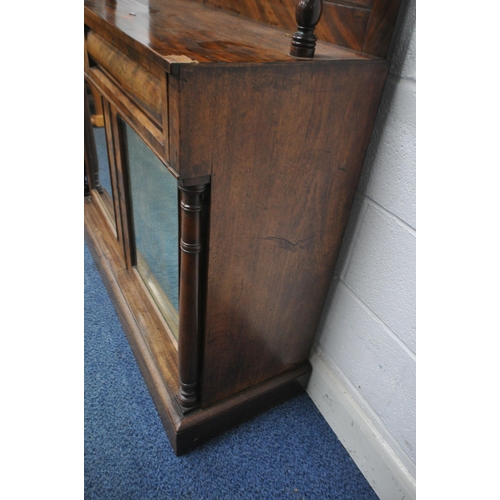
[{"x": 233, "y": 167}]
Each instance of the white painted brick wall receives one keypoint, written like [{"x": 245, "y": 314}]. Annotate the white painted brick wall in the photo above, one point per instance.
[
  {"x": 381, "y": 373},
  {"x": 381, "y": 270},
  {"x": 389, "y": 176},
  {"x": 367, "y": 333}
]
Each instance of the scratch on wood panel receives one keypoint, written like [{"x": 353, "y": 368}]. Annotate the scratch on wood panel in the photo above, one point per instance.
[
  {"x": 288, "y": 245},
  {"x": 180, "y": 59}
]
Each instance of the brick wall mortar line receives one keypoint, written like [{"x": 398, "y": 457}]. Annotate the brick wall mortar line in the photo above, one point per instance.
[
  {"x": 389, "y": 214},
  {"x": 392, "y": 334}
]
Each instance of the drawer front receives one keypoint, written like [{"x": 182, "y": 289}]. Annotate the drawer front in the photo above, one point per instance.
[{"x": 142, "y": 86}]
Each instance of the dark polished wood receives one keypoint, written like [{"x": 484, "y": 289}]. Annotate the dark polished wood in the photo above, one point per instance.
[
  {"x": 267, "y": 150},
  {"x": 197, "y": 33},
  {"x": 381, "y": 25},
  {"x": 190, "y": 300},
  {"x": 281, "y": 192},
  {"x": 142, "y": 85},
  {"x": 363, "y": 25},
  {"x": 157, "y": 357},
  {"x": 342, "y": 23},
  {"x": 307, "y": 15}
]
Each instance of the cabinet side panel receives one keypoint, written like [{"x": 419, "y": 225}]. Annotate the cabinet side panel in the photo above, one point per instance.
[{"x": 286, "y": 146}]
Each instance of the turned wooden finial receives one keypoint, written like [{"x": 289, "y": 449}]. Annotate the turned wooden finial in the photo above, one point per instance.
[{"x": 307, "y": 15}]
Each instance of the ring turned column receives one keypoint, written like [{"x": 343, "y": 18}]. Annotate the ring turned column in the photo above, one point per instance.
[{"x": 191, "y": 206}]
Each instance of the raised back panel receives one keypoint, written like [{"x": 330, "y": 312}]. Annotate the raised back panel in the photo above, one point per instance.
[{"x": 362, "y": 25}]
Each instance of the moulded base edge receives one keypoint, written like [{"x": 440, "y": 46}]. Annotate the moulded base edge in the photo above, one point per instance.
[{"x": 184, "y": 431}]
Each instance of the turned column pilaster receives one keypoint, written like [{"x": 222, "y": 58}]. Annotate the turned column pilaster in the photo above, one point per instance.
[{"x": 191, "y": 249}]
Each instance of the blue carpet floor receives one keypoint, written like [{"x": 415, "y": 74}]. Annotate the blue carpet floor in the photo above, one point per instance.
[{"x": 289, "y": 452}]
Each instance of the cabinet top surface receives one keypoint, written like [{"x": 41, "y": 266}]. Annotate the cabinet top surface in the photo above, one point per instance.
[{"x": 190, "y": 31}]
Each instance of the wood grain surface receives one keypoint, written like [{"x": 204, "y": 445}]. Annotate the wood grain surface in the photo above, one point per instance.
[
  {"x": 178, "y": 32},
  {"x": 285, "y": 158},
  {"x": 342, "y": 23},
  {"x": 364, "y": 25},
  {"x": 132, "y": 77},
  {"x": 210, "y": 87}
]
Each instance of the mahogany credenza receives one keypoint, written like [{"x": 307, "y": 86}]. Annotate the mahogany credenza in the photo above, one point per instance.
[{"x": 232, "y": 170}]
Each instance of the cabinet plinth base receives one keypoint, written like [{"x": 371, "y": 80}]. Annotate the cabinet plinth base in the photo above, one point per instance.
[{"x": 156, "y": 353}]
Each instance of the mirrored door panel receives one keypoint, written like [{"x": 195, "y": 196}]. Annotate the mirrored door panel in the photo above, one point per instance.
[
  {"x": 102, "y": 175},
  {"x": 154, "y": 201}
]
